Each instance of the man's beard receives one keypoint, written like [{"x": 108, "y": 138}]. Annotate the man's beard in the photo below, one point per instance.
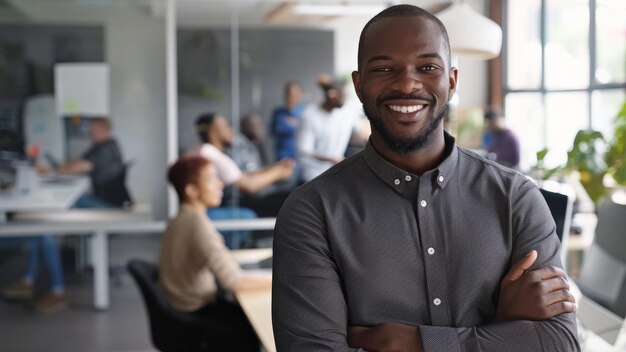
[{"x": 406, "y": 145}]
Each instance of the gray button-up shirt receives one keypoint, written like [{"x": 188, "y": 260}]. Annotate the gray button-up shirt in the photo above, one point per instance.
[{"x": 368, "y": 243}]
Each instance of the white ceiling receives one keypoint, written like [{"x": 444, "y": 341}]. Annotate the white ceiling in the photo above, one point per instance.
[{"x": 205, "y": 13}]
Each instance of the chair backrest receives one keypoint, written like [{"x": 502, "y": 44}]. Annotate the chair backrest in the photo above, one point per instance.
[
  {"x": 561, "y": 207},
  {"x": 603, "y": 271},
  {"x": 166, "y": 324},
  {"x": 172, "y": 330}
]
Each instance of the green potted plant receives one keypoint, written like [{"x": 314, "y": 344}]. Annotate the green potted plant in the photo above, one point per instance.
[{"x": 588, "y": 159}]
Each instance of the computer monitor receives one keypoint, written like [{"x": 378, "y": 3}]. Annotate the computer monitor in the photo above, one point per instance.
[{"x": 561, "y": 207}]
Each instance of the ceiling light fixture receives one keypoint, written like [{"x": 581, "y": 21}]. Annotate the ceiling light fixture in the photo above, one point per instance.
[
  {"x": 336, "y": 10},
  {"x": 471, "y": 33}
]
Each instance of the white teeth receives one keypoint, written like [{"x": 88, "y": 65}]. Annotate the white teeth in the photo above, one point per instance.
[{"x": 404, "y": 108}]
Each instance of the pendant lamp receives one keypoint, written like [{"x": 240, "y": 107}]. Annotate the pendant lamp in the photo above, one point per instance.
[{"x": 471, "y": 34}]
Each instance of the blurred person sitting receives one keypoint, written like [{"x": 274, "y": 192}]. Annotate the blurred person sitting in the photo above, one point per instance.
[
  {"x": 197, "y": 271},
  {"x": 499, "y": 141},
  {"x": 104, "y": 164},
  {"x": 216, "y": 135},
  {"x": 326, "y": 130},
  {"x": 38, "y": 246},
  {"x": 255, "y": 133}
]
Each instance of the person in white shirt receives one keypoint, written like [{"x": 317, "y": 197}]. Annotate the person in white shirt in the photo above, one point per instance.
[
  {"x": 326, "y": 130},
  {"x": 216, "y": 135}
]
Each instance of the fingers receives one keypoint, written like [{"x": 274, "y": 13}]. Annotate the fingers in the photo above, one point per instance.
[
  {"x": 548, "y": 272},
  {"x": 519, "y": 267},
  {"x": 554, "y": 284},
  {"x": 559, "y": 296}
]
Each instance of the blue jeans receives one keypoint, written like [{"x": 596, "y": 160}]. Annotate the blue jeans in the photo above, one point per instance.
[
  {"x": 87, "y": 201},
  {"x": 232, "y": 238},
  {"x": 45, "y": 246}
]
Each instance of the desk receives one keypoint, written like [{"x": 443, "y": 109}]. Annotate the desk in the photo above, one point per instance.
[
  {"x": 103, "y": 222},
  {"x": 577, "y": 244},
  {"x": 49, "y": 196},
  {"x": 257, "y": 304}
]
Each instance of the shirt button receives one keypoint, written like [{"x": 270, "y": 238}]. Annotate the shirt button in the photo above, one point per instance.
[
  {"x": 423, "y": 204},
  {"x": 431, "y": 251},
  {"x": 437, "y": 301},
  {"x": 440, "y": 178},
  {"x": 396, "y": 182},
  {"x": 407, "y": 178}
]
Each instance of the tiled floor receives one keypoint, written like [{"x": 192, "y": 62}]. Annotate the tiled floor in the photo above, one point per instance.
[{"x": 80, "y": 328}]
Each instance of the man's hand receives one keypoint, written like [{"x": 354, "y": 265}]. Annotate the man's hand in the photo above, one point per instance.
[
  {"x": 389, "y": 337},
  {"x": 284, "y": 168},
  {"x": 533, "y": 295}
]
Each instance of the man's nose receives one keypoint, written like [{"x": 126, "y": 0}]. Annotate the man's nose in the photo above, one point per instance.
[{"x": 407, "y": 81}]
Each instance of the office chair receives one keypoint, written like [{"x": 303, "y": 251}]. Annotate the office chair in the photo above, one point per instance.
[
  {"x": 603, "y": 273},
  {"x": 172, "y": 330}
]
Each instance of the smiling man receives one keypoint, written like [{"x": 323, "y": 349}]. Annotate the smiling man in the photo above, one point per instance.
[{"x": 416, "y": 244}]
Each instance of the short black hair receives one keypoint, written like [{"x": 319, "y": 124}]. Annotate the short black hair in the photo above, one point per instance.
[
  {"x": 492, "y": 113},
  {"x": 402, "y": 11},
  {"x": 203, "y": 123}
]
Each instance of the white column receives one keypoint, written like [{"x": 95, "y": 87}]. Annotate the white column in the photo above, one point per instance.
[{"x": 171, "y": 96}]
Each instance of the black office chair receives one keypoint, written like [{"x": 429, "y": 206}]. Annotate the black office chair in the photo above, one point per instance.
[{"x": 172, "y": 330}]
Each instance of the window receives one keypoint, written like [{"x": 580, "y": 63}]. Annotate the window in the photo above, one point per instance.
[{"x": 564, "y": 70}]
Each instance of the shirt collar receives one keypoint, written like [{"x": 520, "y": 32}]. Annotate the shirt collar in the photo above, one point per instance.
[{"x": 399, "y": 179}]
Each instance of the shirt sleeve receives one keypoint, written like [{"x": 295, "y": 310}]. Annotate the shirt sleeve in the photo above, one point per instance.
[
  {"x": 227, "y": 169},
  {"x": 309, "y": 312},
  {"x": 309, "y": 309}
]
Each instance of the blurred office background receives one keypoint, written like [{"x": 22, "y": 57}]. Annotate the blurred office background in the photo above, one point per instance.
[{"x": 562, "y": 68}]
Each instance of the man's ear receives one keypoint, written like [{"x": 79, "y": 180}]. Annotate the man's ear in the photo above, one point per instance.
[
  {"x": 191, "y": 191},
  {"x": 454, "y": 73},
  {"x": 356, "y": 82}
]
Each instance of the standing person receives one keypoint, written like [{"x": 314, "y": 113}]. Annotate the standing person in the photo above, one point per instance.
[
  {"x": 104, "y": 164},
  {"x": 501, "y": 143},
  {"x": 195, "y": 265},
  {"x": 416, "y": 244},
  {"x": 326, "y": 130},
  {"x": 285, "y": 122}
]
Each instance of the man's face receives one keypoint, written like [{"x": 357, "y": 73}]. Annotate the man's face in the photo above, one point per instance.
[
  {"x": 222, "y": 130},
  {"x": 405, "y": 81},
  {"x": 98, "y": 132},
  {"x": 293, "y": 95},
  {"x": 336, "y": 97}
]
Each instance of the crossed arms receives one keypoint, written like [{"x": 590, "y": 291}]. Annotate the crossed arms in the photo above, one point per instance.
[{"x": 310, "y": 307}]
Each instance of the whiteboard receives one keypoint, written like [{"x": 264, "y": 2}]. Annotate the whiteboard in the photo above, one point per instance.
[{"x": 82, "y": 89}]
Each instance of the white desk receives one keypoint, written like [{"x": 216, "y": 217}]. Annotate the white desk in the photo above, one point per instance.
[
  {"x": 49, "y": 196},
  {"x": 100, "y": 226}
]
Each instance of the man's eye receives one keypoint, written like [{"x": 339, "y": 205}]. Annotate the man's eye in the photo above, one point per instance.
[
  {"x": 428, "y": 68},
  {"x": 381, "y": 69}
]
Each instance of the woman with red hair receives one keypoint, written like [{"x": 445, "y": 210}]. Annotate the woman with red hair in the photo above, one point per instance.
[{"x": 197, "y": 271}]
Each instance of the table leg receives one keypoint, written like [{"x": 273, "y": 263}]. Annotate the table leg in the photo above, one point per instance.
[{"x": 100, "y": 255}]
